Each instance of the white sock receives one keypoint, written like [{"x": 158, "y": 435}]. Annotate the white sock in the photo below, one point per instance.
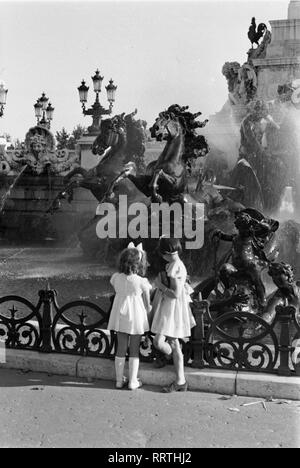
[
  {"x": 119, "y": 368},
  {"x": 133, "y": 371}
]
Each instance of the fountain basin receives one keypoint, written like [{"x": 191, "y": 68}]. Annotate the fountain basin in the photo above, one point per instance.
[{"x": 24, "y": 215}]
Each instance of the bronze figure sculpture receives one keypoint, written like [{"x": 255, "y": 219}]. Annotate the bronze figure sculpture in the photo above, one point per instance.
[
  {"x": 254, "y": 34},
  {"x": 121, "y": 137},
  {"x": 287, "y": 292},
  {"x": 238, "y": 273},
  {"x": 166, "y": 178}
]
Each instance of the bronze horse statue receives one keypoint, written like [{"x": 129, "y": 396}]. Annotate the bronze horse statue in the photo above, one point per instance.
[
  {"x": 165, "y": 180},
  {"x": 120, "y": 138}
]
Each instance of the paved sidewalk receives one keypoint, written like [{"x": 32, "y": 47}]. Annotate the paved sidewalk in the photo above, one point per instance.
[{"x": 37, "y": 410}]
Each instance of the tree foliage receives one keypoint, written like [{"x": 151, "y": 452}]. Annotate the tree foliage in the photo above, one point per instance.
[
  {"x": 67, "y": 140},
  {"x": 62, "y": 138}
]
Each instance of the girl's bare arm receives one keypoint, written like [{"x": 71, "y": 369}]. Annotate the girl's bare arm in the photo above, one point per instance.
[
  {"x": 147, "y": 303},
  {"x": 146, "y": 299},
  {"x": 174, "y": 290}
]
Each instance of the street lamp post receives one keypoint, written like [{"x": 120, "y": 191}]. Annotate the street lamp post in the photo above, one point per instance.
[
  {"x": 96, "y": 110},
  {"x": 3, "y": 96},
  {"x": 43, "y": 112}
]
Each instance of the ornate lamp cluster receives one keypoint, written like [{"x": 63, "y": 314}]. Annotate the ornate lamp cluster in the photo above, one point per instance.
[
  {"x": 43, "y": 111},
  {"x": 3, "y": 96},
  {"x": 96, "y": 110}
]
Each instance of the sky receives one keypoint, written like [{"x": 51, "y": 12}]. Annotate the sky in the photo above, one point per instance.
[{"x": 158, "y": 53}]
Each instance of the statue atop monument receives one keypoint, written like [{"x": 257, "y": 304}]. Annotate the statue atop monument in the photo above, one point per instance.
[{"x": 254, "y": 34}]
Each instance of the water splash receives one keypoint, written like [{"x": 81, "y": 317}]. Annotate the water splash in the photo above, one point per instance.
[
  {"x": 287, "y": 205},
  {"x": 10, "y": 188}
]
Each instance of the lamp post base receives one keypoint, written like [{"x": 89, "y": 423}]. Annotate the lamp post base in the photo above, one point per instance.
[{"x": 94, "y": 130}]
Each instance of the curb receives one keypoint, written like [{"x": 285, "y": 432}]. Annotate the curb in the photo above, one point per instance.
[{"x": 203, "y": 380}]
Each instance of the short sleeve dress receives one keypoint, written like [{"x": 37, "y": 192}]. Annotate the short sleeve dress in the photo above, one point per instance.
[
  {"x": 173, "y": 317},
  {"x": 128, "y": 314}
]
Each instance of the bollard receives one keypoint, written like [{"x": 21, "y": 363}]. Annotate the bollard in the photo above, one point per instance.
[
  {"x": 284, "y": 315},
  {"x": 199, "y": 309},
  {"x": 47, "y": 297}
]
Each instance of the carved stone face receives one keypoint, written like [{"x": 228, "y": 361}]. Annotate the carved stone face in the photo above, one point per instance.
[
  {"x": 230, "y": 70},
  {"x": 37, "y": 144}
]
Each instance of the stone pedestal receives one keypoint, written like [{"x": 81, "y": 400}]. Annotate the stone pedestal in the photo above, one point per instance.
[
  {"x": 294, "y": 9},
  {"x": 87, "y": 158},
  {"x": 282, "y": 62}
]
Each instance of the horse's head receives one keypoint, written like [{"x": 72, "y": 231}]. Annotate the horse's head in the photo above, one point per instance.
[
  {"x": 166, "y": 126},
  {"x": 113, "y": 131},
  {"x": 177, "y": 119}
]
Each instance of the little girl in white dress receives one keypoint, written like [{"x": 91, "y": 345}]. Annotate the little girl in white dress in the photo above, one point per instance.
[
  {"x": 172, "y": 315},
  {"x": 129, "y": 314}
]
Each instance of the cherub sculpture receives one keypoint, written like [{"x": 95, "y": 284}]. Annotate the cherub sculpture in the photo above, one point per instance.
[
  {"x": 248, "y": 257},
  {"x": 287, "y": 292}
]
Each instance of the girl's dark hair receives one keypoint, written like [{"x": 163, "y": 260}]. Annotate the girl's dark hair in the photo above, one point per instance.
[
  {"x": 169, "y": 245},
  {"x": 130, "y": 262}
]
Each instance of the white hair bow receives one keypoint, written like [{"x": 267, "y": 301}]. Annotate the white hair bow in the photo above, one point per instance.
[{"x": 138, "y": 247}]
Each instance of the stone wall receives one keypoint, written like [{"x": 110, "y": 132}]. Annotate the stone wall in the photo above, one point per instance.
[{"x": 25, "y": 216}]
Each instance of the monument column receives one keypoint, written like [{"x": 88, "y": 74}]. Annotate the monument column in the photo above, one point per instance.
[
  {"x": 282, "y": 62},
  {"x": 294, "y": 10}
]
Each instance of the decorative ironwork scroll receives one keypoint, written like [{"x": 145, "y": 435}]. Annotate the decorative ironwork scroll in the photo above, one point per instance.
[
  {"x": 20, "y": 323},
  {"x": 79, "y": 328},
  {"x": 234, "y": 340},
  {"x": 241, "y": 341}
]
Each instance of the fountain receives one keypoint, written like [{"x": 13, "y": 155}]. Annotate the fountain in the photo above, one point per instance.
[
  {"x": 261, "y": 119},
  {"x": 259, "y": 123},
  {"x": 31, "y": 176}
]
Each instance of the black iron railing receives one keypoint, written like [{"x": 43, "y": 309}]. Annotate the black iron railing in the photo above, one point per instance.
[
  {"x": 244, "y": 341},
  {"x": 233, "y": 341}
]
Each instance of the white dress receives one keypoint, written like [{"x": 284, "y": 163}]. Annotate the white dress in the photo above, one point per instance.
[
  {"x": 128, "y": 314},
  {"x": 173, "y": 317}
]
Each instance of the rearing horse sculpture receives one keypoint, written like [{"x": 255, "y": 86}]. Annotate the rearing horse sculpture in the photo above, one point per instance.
[
  {"x": 166, "y": 178},
  {"x": 112, "y": 143}
]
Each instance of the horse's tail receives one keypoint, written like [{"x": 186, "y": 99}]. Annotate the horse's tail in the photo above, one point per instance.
[{"x": 77, "y": 170}]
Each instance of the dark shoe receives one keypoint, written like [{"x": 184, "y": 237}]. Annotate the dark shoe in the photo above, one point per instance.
[{"x": 174, "y": 387}]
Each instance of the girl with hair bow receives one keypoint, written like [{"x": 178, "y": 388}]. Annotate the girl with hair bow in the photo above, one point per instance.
[{"x": 129, "y": 314}]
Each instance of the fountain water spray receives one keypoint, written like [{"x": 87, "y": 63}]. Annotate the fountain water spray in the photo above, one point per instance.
[
  {"x": 10, "y": 188},
  {"x": 287, "y": 205}
]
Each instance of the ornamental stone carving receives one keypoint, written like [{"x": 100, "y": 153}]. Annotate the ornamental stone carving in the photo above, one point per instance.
[{"x": 39, "y": 155}]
